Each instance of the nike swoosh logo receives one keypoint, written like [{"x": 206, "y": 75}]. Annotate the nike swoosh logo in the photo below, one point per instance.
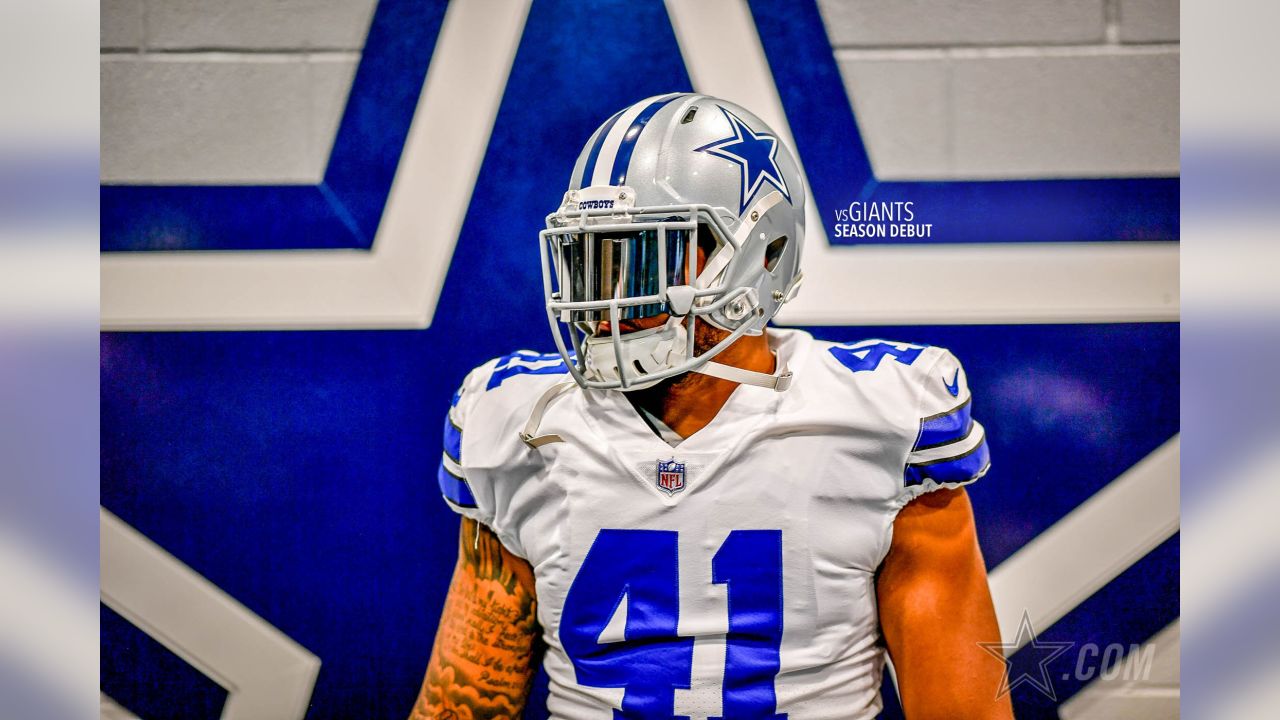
[{"x": 953, "y": 387}]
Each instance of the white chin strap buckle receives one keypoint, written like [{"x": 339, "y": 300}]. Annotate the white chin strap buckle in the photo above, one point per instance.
[
  {"x": 680, "y": 299},
  {"x": 779, "y": 381}
]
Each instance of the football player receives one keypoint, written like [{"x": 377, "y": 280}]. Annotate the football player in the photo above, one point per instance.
[{"x": 683, "y": 512}]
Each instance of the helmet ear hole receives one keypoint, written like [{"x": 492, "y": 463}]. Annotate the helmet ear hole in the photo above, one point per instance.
[{"x": 773, "y": 253}]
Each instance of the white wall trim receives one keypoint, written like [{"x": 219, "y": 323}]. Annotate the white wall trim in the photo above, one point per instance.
[
  {"x": 109, "y": 709},
  {"x": 1114, "y": 697},
  {"x": 266, "y": 674},
  {"x": 1101, "y": 538}
]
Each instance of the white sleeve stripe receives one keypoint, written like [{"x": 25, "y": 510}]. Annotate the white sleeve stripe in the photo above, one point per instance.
[
  {"x": 975, "y": 437},
  {"x": 536, "y": 363},
  {"x": 454, "y": 468}
]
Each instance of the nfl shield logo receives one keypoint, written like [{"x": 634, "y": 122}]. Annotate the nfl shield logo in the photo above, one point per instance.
[{"x": 670, "y": 476}]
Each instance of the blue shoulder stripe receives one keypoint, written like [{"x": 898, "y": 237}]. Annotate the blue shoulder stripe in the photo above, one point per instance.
[
  {"x": 516, "y": 364},
  {"x": 944, "y": 428},
  {"x": 455, "y": 489},
  {"x": 958, "y": 469},
  {"x": 452, "y": 440},
  {"x": 623, "y": 158}
]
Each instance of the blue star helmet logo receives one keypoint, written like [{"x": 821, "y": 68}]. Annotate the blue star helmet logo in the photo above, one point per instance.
[{"x": 755, "y": 154}]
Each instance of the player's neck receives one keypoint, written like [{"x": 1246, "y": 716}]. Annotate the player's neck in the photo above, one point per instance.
[{"x": 690, "y": 402}]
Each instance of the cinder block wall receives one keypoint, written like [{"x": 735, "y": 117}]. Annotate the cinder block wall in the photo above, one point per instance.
[
  {"x": 1011, "y": 88},
  {"x": 251, "y": 91},
  {"x": 225, "y": 91}
]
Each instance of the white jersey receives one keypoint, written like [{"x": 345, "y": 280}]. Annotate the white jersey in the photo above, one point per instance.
[{"x": 732, "y": 575}]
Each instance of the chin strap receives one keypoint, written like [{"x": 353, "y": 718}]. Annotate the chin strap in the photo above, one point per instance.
[
  {"x": 535, "y": 417},
  {"x": 779, "y": 381}
]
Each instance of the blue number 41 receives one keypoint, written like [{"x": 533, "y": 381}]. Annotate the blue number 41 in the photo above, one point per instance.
[
  {"x": 864, "y": 357},
  {"x": 640, "y": 567}
]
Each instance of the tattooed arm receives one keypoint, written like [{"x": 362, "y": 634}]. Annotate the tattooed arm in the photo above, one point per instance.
[{"x": 485, "y": 652}]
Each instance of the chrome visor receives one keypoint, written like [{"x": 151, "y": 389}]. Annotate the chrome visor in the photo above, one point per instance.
[{"x": 633, "y": 267}]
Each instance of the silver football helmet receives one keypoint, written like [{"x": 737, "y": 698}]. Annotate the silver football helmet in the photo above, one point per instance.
[{"x": 656, "y": 182}]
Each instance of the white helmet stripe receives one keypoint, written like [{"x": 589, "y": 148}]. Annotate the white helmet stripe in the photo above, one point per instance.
[
  {"x": 609, "y": 148},
  {"x": 622, "y": 136},
  {"x": 597, "y": 141}
]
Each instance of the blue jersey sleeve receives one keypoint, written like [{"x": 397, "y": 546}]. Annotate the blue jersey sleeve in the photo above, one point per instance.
[
  {"x": 485, "y": 466},
  {"x": 950, "y": 449},
  {"x": 458, "y": 491}
]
